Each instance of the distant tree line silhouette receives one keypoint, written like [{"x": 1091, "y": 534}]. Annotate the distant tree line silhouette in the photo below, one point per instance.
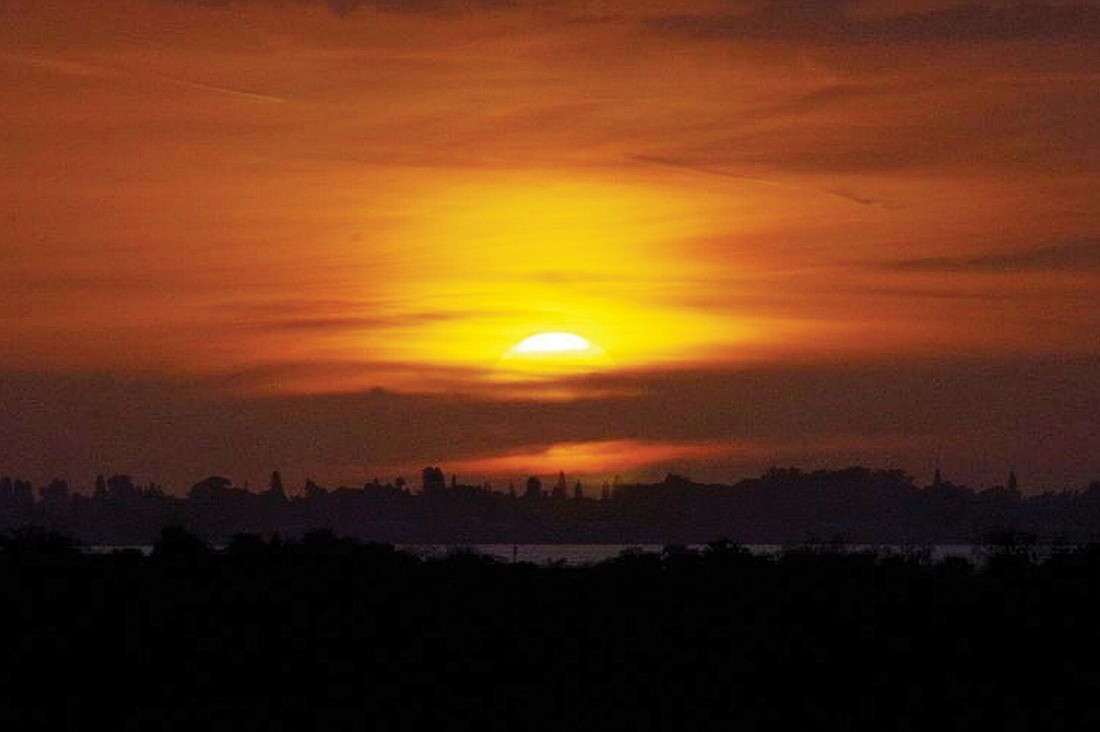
[{"x": 785, "y": 505}]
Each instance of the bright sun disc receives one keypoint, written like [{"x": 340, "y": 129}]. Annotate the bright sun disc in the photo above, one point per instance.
[
  {"x": 551, "y": 355},
  {"x": 553, "y": 343}
]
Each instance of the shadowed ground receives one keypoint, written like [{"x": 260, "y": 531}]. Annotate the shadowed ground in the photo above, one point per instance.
[{"x": 327, "y": 633}]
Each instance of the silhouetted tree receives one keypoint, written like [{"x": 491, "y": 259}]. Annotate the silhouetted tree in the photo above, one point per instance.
[
  {"x": 558, "y": 491},
  {"x": 37, "y": 542},
  {"x": 152, "y": 490},
  {"x": 121, "y": 487},
  {"x": 313, "y": 491},
  {"x": 210, "y": 488},
  {"x": 176, "y": 541},
  {"x": 275, "y": 487},
  {"x": 534, "y": 489},
  {"x": 432, "y": 480}
]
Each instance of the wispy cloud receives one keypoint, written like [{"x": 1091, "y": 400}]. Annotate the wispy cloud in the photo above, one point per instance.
[
  {"x": 335, "y": 314},
  {"x": 1082, "y": 255},
  {"x": 355, "y": 322},
  {"x": 592, "y": 457},
  {"x": 351, "y": 376},
  {"x": 699, "y": 164}
]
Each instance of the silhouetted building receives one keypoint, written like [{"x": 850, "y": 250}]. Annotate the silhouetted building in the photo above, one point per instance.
[{"x": 56, "y": 493}]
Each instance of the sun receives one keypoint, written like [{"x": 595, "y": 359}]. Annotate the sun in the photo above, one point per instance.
[
  {"x": 553, "y": 343},
  {"x": 553, "y": 353}
]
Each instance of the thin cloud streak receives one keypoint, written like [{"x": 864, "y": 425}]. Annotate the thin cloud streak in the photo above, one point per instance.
[
  {"x": 1076, "y": 256},
  {"x": 712, "y": 169},
  {"x": 96, "y": 71}
]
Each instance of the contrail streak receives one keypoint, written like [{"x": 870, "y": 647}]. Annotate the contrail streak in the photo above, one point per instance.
[
  {"x": 705, "y": 170},
  {"x": 94, "y": 71}
]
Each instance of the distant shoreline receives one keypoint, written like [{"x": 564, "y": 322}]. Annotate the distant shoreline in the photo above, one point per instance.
[
  {"x": 859, "y": 506},
  {"x": 582, "y": 554}
]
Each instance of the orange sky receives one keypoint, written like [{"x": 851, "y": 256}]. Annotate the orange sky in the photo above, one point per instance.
[{"x": 236, "y": 236}]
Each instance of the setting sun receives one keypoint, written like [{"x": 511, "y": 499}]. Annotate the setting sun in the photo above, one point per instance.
[
  {"x": 553, "y": 343},
  {"x": 550, "y": 354}
]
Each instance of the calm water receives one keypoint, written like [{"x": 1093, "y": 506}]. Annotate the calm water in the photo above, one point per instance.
[
  {"x": 580, "y": 554},
  {"x": 591, "y": 553}
]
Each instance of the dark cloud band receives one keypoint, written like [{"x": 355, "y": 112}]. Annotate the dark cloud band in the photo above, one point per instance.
[
  {"x": 829, "y": 23},
  {"x": 345, "y": 7}
]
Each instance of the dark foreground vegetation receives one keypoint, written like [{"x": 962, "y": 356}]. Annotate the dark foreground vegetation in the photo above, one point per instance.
[{"x": 330, "y": 634}]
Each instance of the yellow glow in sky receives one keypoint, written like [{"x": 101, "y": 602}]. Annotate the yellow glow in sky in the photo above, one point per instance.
[{"x": 478, "y": 265}]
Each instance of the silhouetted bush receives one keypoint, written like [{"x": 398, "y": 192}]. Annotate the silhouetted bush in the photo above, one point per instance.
[
  {"x": 37, "y": 542},
  {"x": 338, "y": 634},
  {"x": 176, "y": 541}
]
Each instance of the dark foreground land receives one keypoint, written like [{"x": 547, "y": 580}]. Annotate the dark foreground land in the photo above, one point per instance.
[{"x": 332, "y": 634}]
